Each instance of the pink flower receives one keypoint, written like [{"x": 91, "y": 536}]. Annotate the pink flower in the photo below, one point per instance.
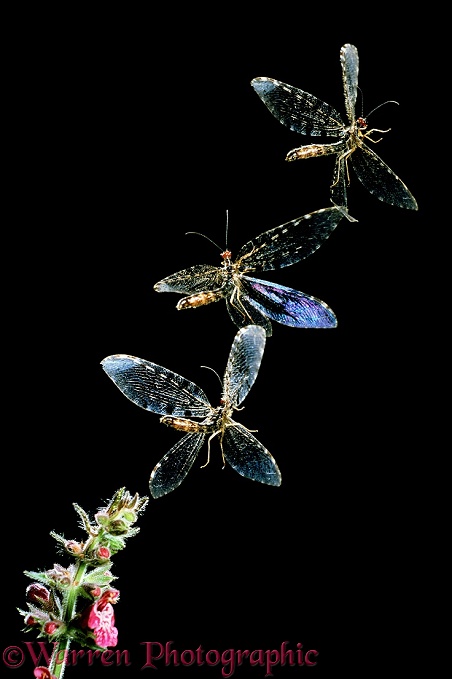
[
  {"x": 103, "y": 553},
  {"x": 43, "y": 673},
  {"x": 100, "y": 618}
]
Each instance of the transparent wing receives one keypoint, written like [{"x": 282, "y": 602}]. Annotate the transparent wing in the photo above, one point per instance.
[
  {"x": 380, "y": 180},
  {"x": 249, "y": 457},
  {"x": 350, "y": 67},
  {"x": 288, "y": 306},
  {"x": 299, "y": 111},
  {"x": 243, "y": 363},
  {"x": 339, "y": 187},
  {"x": 199, "y": 278},
  {"x": 172, "y": 469},
  {"x": 155, "y": 388},
  {"x": 242, "y": 313},
  {"x": 289, "y": 243}
]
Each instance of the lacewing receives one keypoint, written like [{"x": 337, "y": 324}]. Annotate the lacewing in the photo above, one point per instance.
[
  {"x": 251, "y": 300},
  {"x": 306, "y": 114},
  {"x": 178, "y": 400}
]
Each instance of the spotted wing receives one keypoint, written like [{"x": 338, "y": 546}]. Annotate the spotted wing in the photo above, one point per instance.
[
  {"x": 350, "y": 68},
  {"x": 172, "y": 469},
  {"x": 249, "y": 457},
  {"x": 199, "y": 278},
  {"x": 380, "y": 180},
  {"x": 288, "y": 306},
  {"x": 300, "y": 111},
  {"x": 155, "y": 388},
  {"x": 243, "y": 363},
  {"x": 289, "y": 243}
]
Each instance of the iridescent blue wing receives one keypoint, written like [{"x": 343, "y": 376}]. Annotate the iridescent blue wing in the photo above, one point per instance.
[
  {"x": 350, "y": 67},
  {"x": 379, "y": 179},
  {"x": 155, "y": 388},
  {"x": 300, "y": 111},
  {"x": 288, "y": 306},
  {"x": 199, "y": 278},
  {"x": 289, "y": 243},
  {"x": 243, "y": 363},
  {"x": 172, "y": 469},
  {"x": 248, "y": 456}
]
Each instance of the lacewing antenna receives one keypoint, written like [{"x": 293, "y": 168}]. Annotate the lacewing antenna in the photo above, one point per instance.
[
  {"x": 365, "y": 117},
  {"x": 227, "y": 226},
  {"x": 207, "y": 237},
  {"x": 390, "y": 101},
  {"x": 214, "y": 371}
]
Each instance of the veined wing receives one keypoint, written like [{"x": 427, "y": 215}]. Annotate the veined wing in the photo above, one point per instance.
[
  {"x": 290, "y": 242},
  {"x": 199, "y": 278},
  {"x": 243, "y": 363},
  {"x": 298, "y": 110},
  {"x": 155, "y": 388},
  {"x": 288, "y": 306},
  {"x": 350, "y": 67},
  {"x": 338, "y": 189},
  {"x": 380, "y": 180},
  {"x": 172, "y": 469},
  {"x": 249, "y": 457},
  {"x": 242, "y": 313}
]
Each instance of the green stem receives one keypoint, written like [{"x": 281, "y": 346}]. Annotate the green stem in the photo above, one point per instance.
[{"x": 58, "y": 661}]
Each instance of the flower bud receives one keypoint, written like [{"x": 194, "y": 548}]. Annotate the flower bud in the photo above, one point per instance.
[
  {"x": 129, "y": 515},
  {"x": 31, "y": 621},
  {"x": 102, "y": 518},
  {"x": 117, "y": 527},
  {"x": 103, "y": 553},
  {"x": 60, "y": 575},
  {"x": 38, "y": 594},
  {"x": 51, "y": 627},
  {"x": 73, "y": 547}
]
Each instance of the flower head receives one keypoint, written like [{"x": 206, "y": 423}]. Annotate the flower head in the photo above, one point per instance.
[{"x": 75, "y": 602}]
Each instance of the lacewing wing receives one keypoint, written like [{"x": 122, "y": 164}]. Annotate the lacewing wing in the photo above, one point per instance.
[
  {"x": 250, "y": 300},
  {"x": 306, "y": 114},
  {"x": 178, "y": 400}
]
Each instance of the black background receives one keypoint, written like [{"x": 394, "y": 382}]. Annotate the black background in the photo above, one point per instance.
[{"x": 128, "y": 130}]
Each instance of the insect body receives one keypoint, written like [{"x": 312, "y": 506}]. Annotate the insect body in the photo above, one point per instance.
[
  {"x": 178, "y": 400},
  {"x": 306, "y": 114},
  {"x": 251, "y": 300}
]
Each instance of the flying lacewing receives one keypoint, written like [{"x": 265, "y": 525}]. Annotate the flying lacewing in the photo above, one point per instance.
[
  {"x": 166, "y": 393},
  {"x": 306, "y": 114},
  {"x": 254, "y": 301}
]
